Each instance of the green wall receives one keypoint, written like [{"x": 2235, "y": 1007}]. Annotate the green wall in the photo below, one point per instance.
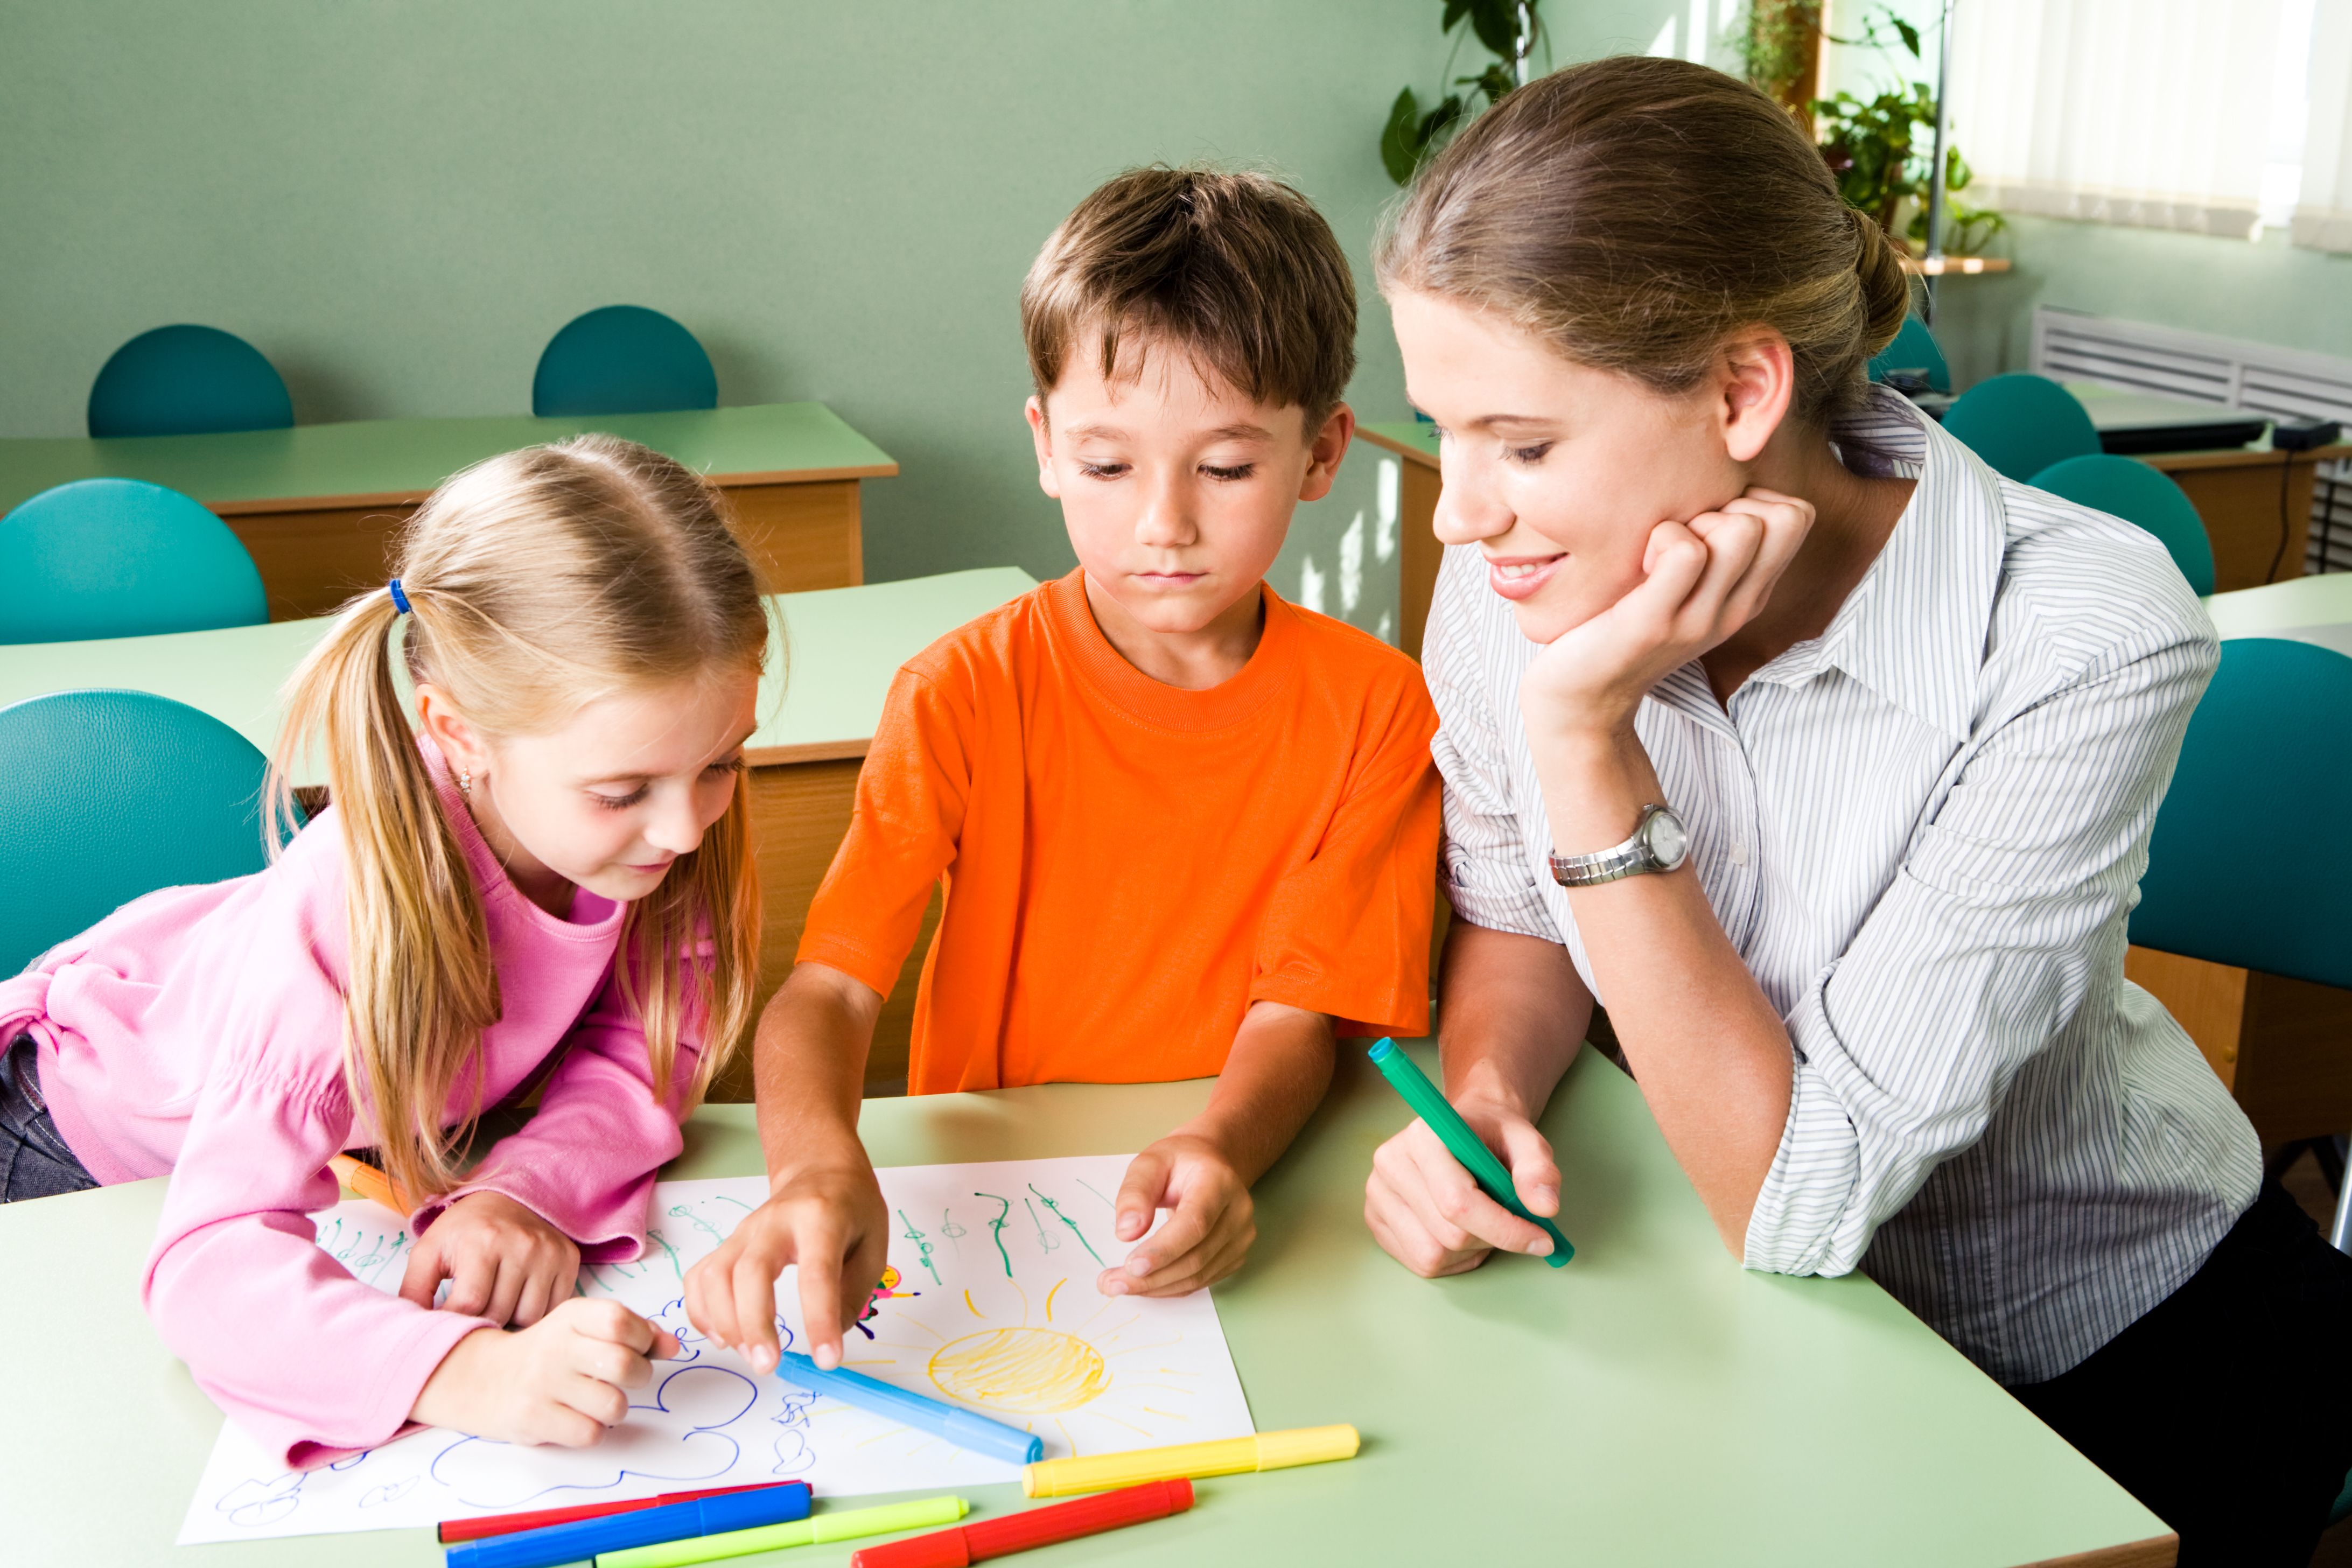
[{"x": 399, "y": 202}]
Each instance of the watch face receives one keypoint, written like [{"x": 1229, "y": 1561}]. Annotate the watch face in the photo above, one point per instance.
[{"x": 1666, "y": 839}]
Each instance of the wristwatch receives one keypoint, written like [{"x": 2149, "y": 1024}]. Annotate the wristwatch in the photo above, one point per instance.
[{"x": 1660, "y": 843}]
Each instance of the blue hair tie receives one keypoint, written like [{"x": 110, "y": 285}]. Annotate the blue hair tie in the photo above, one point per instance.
[{"x": 399, "y": 599}]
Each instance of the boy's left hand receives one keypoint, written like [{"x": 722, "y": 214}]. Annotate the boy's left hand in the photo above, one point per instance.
[
  {"x": 502, "y": 1262},
  {"x": 1207, "y": 1236}
]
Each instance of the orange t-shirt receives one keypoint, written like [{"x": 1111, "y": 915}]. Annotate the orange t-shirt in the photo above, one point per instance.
[{"x": 1131, "y": 865}]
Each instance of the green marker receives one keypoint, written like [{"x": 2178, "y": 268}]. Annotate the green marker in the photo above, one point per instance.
[
  {"x": 810, "y": 1531},
  {"x": 1460, "y": 1142}
]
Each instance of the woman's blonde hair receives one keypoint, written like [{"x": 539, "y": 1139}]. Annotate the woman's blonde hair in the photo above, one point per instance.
[
  {"x": 537, "y": 582},
  {"x": 1635, "y": 213}
]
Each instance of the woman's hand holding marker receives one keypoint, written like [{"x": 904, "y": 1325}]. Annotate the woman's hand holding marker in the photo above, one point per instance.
[
  {"x": 502, "y": 1262},
  {"x": 826, "y": 1217},
  {"x": 1429, "y": 1212},
  {"x": 1205, "y": 1237},
  {"x": 563, "y": 1380},
  {"x": 1702, "y": 582}
]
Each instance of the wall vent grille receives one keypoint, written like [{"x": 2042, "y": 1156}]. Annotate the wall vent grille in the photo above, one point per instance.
[{"x": 2232, "y": 373}]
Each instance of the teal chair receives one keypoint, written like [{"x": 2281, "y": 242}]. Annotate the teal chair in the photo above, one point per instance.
[
  {"x": 1913, "y": 350},
  {"x": 2021, "y": 424},
  {"x": 110, "y": 794},
  {"x": 2130, "y": 488},
  {"x": 623, "y": 359},
  {"x": 120, "y": 558},
  {"x": 188, "y": 381}
]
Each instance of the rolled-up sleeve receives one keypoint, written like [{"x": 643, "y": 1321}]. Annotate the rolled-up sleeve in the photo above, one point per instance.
[
  {"x": 1485, "y": 868},
  {"x": 1976, "y": 956}
]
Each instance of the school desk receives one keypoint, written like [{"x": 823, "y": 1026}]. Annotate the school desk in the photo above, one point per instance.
[
  {"x": 842, "y": 647},
  {"x": 2278, "y": 1043},
  {"x": 316, "y": 505},
  {"x": 1651, "y": 1403}
]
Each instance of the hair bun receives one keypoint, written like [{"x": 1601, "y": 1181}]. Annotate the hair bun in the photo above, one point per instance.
[{"x": 1886, "y": 287}]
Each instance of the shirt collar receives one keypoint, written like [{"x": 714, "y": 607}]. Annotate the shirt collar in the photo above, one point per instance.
[{"x": 1914, "y": 629}]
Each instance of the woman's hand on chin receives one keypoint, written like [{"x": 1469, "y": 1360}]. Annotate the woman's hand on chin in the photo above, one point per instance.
[{"x": 1702, "y": 581}]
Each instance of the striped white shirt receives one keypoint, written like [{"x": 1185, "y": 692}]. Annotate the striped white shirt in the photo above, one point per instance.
[{"x": 1924, "y": 832}]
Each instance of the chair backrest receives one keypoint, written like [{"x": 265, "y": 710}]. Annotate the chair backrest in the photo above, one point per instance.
[
  {"x": 2130, "y": 488},
  {"x": 2022, "y": 423},
  {"x": 2250, "y": 864},
  {"x": 109, "y": 795},
  {"x": 623, "y": 359},
  {"x": 1914, "y": 348},
  {"x": 188, "y": 381},
  {"x": 120, "y": 558}
]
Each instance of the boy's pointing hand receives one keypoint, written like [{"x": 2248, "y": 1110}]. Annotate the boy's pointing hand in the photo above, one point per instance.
[{"x": 1205, "y": 1237}]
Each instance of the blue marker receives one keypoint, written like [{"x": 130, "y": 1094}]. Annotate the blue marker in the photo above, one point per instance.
[
  {"x": 583, "y": 1539},
  {"x": 962, "y": 1428}
]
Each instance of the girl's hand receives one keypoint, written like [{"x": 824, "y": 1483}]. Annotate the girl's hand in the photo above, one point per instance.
[
  {"x": 829, "y": 1219},
  {"x": 502, "y": 1262},
  {"x": 1204, "y": 1239},
  {"x": 1704, "y": 580},
  {"x": 1431, "y": 1216},
  {"x": 561, "y": 1381}
]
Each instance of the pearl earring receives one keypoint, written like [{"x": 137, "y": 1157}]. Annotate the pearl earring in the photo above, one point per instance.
[{"x": 466, "y": 781}]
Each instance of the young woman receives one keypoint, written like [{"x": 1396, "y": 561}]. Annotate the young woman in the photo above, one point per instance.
[
  {"x": 1827, "y": 759},
  {"x": 544, "y": 879}
]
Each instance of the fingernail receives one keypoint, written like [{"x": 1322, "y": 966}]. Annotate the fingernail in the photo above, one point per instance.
[
  {"x": 1139, "y": 1267},
  {"x": 764, "y": 1359},
  {"x": 828, "y": 1357}
]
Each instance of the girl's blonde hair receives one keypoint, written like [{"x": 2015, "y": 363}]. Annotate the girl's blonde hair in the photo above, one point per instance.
[
  {"x": 1634, "y": 213},
  {"x": 538, "y": 582}
]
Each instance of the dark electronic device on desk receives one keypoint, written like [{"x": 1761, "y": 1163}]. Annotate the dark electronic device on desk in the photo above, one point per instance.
[{"x": 2288, "y": 437}]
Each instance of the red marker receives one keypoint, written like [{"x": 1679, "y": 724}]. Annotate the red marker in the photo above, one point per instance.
[
  {"x": 965, "y": 1544},
  {"x": 457, "y": 1529}
]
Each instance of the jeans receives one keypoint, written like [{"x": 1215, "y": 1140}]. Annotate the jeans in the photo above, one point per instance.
[{"x": 34, "y": 1161}]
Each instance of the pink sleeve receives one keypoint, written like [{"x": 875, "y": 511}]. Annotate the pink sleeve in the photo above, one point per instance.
[
  {"x": 304, "y": 1357},
  {"x": 585, "y": 1161}
]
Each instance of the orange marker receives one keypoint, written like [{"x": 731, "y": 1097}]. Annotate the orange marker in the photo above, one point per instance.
[{"x": 370, "y": 1183}]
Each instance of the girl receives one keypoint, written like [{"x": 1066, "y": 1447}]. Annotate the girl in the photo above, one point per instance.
[
  {"x": 548, "y": 886},
  {"x": 1835, "y": 785}
]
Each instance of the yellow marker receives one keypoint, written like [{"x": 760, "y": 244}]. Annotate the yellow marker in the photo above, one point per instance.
[
  {"x": 369, "y": 1182},
  {"x": 1266, "y": 1451}
]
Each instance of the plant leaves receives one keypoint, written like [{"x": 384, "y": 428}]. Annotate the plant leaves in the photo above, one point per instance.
[
  {"x": 1909, "y": 34},
  {"x": 1398, "y": 148},
  {"x": 1497, "y": 23},
  {"x": 1454, "y": 11}
]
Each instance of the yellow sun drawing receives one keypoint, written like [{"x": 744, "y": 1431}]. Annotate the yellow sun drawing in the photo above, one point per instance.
[{"x": 1102, "y": 1382}]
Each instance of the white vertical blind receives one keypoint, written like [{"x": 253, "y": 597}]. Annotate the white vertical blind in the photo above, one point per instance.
[
  {"x": 2323, "y": 214},
  {"x": 2150, "y": 112}
]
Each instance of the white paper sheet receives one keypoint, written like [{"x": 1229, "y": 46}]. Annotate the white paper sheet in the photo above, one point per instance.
[{"x": 995, "y": 1308}]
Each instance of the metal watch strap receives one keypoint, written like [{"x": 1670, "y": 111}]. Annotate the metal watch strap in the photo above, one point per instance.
[{"x": 1610, "y": 864}]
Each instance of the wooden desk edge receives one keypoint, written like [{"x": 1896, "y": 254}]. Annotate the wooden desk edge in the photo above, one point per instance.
[
  {"x": 2156, "y": 1551},
  {"x": 2242, "y": 458},
  {"x": 1398, "y": 448},
  {"x": 806, "y": 751},
  {"x": 275, "y": 504}
]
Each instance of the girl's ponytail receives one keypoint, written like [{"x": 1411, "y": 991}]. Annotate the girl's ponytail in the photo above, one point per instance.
[
  {"x": 1886, "y": 287},
  {"x": 421, "y": 988}
]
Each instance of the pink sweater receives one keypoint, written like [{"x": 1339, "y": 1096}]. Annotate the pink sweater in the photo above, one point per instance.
[{"x": 199, "y": 1031}]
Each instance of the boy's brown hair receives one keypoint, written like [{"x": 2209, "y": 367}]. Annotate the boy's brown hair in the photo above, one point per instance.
[{"x": 1238, "y": 269}]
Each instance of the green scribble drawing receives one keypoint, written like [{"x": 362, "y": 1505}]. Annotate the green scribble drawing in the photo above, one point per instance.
[
  {"x": 1056, "y": 1211},
  {"x": 952, "y": 1231},
  {"x": 659, "y": 1239},
  {"x": 738, "y": 1202},
  {"x": 1092, "y": 1188},
  {"x": 1044, "y": 1243},
  {"x": 679, "y": 1211},
  {"x": 917, "y": 1237},
  {"x": 996, "y": 1230}
]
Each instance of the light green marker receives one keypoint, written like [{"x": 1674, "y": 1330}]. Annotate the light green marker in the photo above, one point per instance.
[
  {"x": 810, "y": 1531},
  {"x": 1460, "y": 1142}
]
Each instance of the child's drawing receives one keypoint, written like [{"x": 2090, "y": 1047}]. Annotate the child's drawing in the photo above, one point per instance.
[{"x": 1009, "y": 1324}]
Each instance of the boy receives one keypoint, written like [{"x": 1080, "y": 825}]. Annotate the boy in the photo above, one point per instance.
[{"x": 1186, "y": 828}]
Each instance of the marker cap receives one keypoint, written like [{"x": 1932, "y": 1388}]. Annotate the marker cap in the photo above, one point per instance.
[{"x": 1306, "y": 1446}]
